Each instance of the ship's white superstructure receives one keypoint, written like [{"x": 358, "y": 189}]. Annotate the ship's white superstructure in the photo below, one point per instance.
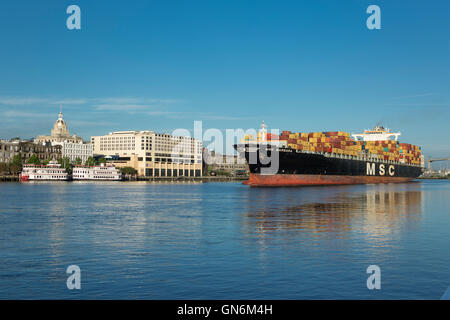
[
  {"x": 101, "y": 172},
  {"x": 51, "y": 171},
  {"x": 377, "y": 134}
]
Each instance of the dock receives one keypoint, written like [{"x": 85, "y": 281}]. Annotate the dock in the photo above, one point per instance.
[
  {"x": 15, "y": 178},
  {"x": 9, "y": 178},
  {"x": 191, "y": 179}
]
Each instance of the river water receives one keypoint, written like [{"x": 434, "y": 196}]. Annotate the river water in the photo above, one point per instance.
[{"x": 143, "y": 240}]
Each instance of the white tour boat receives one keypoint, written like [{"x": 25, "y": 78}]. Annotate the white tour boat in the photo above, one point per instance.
[
  {"x": 101, "y": 172},
  {"x": 51, "y": 171}
]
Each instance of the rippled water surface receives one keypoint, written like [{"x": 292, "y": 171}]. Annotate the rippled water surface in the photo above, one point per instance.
[{"x": 224, "y": 240}]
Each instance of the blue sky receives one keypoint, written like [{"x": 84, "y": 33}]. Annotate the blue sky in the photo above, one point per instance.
[{"x": 160, "y": 65}]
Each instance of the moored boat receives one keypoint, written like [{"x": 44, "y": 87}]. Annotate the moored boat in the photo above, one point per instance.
[
  {"x": 100, "y": 172},
  {"x": 50, "y": 172}
]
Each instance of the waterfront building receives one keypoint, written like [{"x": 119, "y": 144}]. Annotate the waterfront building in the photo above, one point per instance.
[
  {"x": 231, "y": 164},
  {"x": 75, "y": 151},
  {"x": 151, "y": 154},
  {"x": 8, "y": 149},
  {"x": 59, "y": 134}
]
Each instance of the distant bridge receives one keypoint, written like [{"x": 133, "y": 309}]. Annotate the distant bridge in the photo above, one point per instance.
[{"x": 433, "y": 160}]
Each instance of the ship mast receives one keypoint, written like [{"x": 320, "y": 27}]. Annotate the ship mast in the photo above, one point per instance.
[{"x": 263, "y": 132}]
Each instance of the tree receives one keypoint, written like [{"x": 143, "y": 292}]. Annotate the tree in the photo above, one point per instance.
[
  {"x": 223, "y": 173},
  {"x": 101, "y": 160},
  {"x": 15, "y": 166},
  {"x": 128, "y": 170},
  {"x": 45, "y": 162},
  {"x": 65, "y": 163},
  {"x": 78, "y": 161},
  {"x": 4, "y": 168},
  {"x": 90, "y": 161},
  {"x": 34, "y": 160}
]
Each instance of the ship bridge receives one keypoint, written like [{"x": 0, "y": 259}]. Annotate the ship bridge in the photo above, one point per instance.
[{"x": 377, "y": 134}]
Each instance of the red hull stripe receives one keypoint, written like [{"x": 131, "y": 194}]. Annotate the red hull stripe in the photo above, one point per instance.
[{"x": 307, "y": 179}]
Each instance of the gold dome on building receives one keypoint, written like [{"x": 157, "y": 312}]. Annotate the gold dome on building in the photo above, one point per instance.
[
  {"x": 59, "y": 134},
  {"x": 60, "y": 127}
]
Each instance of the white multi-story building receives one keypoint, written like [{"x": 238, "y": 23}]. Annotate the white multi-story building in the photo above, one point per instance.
[
  {"x": 152, "y": 154},
  {"x": 76, "y": 151}
]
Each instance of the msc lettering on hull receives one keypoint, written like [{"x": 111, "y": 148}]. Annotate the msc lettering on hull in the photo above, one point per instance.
[{"x": 382, "y": 169}]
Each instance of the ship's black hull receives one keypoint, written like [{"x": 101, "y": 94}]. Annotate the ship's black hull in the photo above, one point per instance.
[{"x": 284, "y": 166}]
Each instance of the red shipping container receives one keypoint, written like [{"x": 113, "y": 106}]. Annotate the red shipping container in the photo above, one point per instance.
[{"x": 272, "y": 136}]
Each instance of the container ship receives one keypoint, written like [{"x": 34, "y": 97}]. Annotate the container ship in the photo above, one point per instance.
[{"x": 329, "y": 158}]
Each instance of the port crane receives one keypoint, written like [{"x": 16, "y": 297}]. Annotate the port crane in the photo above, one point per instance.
[{"x": 433, "y": 160}]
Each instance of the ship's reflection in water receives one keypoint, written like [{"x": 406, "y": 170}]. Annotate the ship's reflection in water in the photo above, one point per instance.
[{"x": 377, "y": 211}]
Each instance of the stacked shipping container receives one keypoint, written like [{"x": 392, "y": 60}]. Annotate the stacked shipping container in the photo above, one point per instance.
[{"x": 341, "y": 143}]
